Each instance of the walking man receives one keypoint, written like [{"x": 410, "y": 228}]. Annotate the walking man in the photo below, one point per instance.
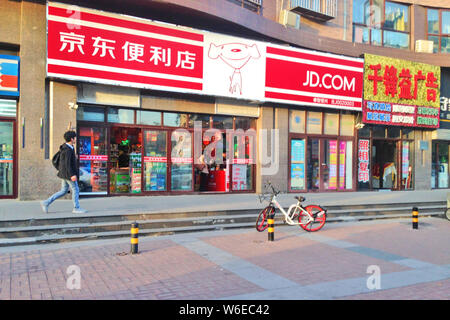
[{"x": 68, "y": 172}]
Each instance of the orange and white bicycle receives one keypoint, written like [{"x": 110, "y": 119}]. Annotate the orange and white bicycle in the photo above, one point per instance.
[{"x": 311, "y": 218}]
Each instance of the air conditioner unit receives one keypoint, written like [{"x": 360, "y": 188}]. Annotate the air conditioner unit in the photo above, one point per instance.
[
  {"x": 424, "y": 46},
  {"x": 290, "y": 19}
]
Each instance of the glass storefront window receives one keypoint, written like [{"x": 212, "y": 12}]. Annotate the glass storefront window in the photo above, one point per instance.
[
  {"x": 331, "y": 123},
  {"x": 121, "y": 115},
  {"x": 378, "y": 132},
  {"x": 364, "y": 132},
  {"x": 181, "y": 157},
  {"x": 297, "y": 121},
  {"x": 314, "y": 122},
  {"x": 313, "y": 173},
  {"x": 125, "y": 160},
  {"x": 442, "y": 161},
  {"x": 93, "y": 160},
  {"x": 175, "y": 119},
  {"x": 242, "y": 169},
  {"x": 297, "y": 164},
  {"x": 245, "y": 123},
  {"x": 222, "y": 122},
  {"x": 407, "y": 133},
  {"x": 8, "y": 108},
  {"x": 203, "y": 118},
  {"x": 407, "y": 181},
  {"x": 155, "y": 160},
  {"x": 347, "y": 125},
  {"x": 152, "y": 118},
  {"x": 345, "y": 164},
  {"x": 6, "y": 158},
  {"x": 91, "y": 114},
  {"x": 393, "y": 132}
]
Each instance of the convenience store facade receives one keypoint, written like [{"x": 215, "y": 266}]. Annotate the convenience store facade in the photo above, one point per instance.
[
  {"x": 138, "y": 87},
  {"x": 209, "y": 86}
]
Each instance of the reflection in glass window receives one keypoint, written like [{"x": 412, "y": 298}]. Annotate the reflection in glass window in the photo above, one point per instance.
[
  {"x": 376, "y": 37},
  {"x": 245, "y": 123},
  {"x": 396, "y": 39},
  {"x": 175, "y": 119},
  {"x": 445, "y": 45},
  {"x": 445, "y": 28},
  {"x": 433, "y": 21},
  {"x": 223, "y": 122},
  {"x": 91, "y": 114},
  {"x": 396, "y": 16},
  {"x": 203, "y": 118},
  {"x": 360, "y": 34},
  {"x": 435, "y": 40},
  {"x": 120, "y": 115},
  {"x": 152, "y": 118}
]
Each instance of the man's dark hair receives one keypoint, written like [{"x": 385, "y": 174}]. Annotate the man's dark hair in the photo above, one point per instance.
[{"x": 69, "y": 135}]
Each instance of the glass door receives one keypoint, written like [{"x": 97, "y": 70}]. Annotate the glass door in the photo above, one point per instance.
[
  {"x": 181, "y": 161},
  {"x": 6, "y": 158},
  {"x": 155, "y": 160},
  {"x": 93, "y": 157}
]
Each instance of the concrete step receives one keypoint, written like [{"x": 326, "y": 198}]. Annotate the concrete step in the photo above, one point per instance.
[{"x": 170, "y": 224}]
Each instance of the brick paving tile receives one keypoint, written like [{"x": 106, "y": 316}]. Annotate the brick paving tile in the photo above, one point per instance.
[
  {"x": 418, "y": 244},
  {"x": 438, "y": 290},
  {"x": 299, "y": 259}
]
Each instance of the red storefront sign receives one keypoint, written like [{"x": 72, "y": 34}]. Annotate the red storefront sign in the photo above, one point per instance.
[
  {"x": 363, "y": 160},
  {"x": 84, "y": 157},
  {"x": 94, "y": 46},
  {"x": 310, "y": 78},
  {"x": 400, "y": 115}
]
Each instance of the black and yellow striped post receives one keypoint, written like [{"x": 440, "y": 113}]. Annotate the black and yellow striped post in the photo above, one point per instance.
[
  {"x": 415, "y": 218},
  {"x": 271, "y": 226},
  {"x": 134, "y": 237}
]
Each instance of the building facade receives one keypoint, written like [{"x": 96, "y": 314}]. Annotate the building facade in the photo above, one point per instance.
[{"x": 264, "y": 90}]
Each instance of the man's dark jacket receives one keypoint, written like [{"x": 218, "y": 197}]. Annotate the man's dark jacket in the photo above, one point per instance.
[{"x": 67, "y": 163}]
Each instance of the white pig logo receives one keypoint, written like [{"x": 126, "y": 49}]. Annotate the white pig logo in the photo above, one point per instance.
[{"x": 236, "y": 55}]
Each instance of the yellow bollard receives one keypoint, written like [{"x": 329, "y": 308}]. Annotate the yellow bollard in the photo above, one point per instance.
[
  {"x": 134, "y": 237},
  {"x": 271, "y": 227},
  {"x": 415, "y": 218}
]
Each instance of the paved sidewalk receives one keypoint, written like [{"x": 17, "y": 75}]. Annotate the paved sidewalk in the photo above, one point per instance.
[
  {"x": 14, "y": 209},
  {"x": 241, "y": 264}
]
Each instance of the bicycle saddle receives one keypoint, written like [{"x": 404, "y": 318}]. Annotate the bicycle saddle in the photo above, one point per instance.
[{"x": 301, "y": 199}]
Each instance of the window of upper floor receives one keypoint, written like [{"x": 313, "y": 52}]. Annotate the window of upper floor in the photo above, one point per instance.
[
  {"x": 438, "y": 29},
  {"x": 381, "y": 23},
  {"x": 252, "y": 5}
]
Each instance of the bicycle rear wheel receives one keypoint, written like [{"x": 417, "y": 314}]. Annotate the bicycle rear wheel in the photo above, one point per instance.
[
  {"x": 447, "y": 213},
  {"x": 261, "y": 222},
  {"x": 319, "y": 214}
]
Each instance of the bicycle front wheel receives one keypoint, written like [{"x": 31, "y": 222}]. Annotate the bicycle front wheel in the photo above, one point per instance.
[
  {"x": 319, "y": 215},
  {"x": 261, "y": 222}
]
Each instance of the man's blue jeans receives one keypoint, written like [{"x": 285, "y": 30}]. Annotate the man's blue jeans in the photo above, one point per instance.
[{"x": 65, "y": 184}]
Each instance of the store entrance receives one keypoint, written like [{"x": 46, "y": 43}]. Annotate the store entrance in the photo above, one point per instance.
[
  {"x": 7, "y": 159},
  {"x": 125, "y": 161},
  {"x": 385, "y": 164}
]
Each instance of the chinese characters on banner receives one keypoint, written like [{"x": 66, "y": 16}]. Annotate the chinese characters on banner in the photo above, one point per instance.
[
  {"x": 111, "y": 49},
  {"x": 363, "y": 160},
  {"x": 400, "y": 92}
]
